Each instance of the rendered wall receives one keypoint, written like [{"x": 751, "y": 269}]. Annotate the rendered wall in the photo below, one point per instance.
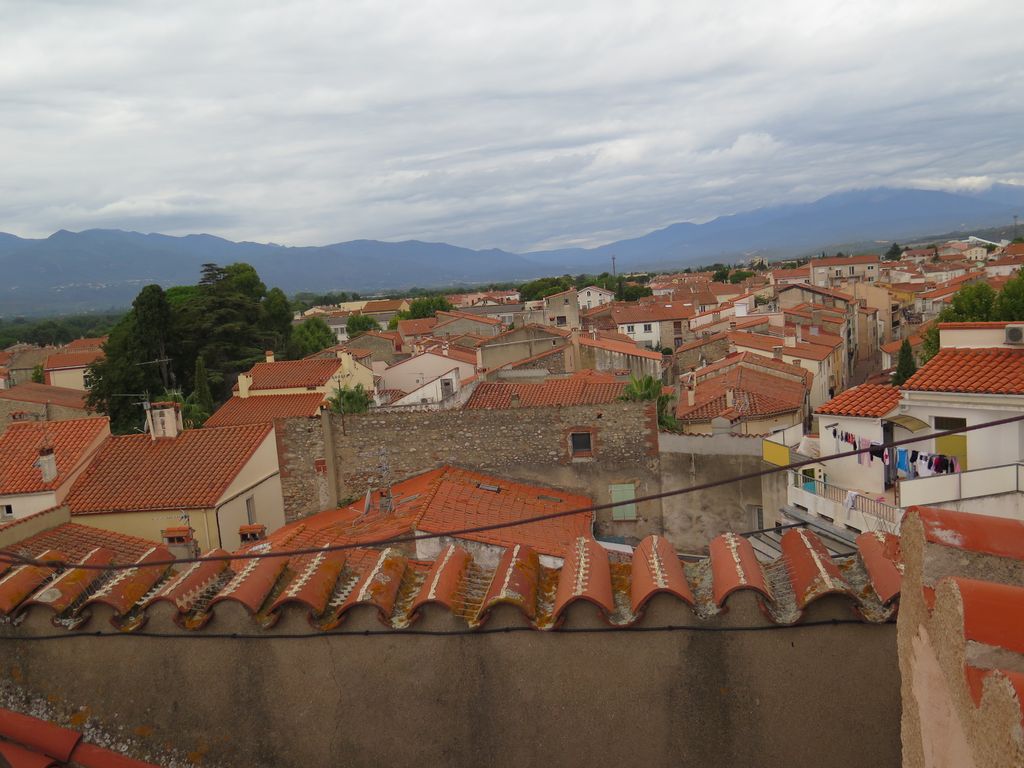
[{"x": 813, "y": 696}]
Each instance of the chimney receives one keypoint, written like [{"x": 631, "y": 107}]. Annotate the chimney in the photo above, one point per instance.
[
  {"x": 244, "y": 382},
  {"x": 741, "y": 309},
  {"x": 790, "y": 341},
  {"x": 180, "y": 541},
  {"x": 47, "y": 463},
  {"x": 729, "y": 397},
  {"x": 163, "y": 419},
  {"x": 444, "y": 348},
  {"x": 252, "y": 532},
  {"x": 690, "y": 383},
  {"x": 777, "y": 352},
  {"x": 270, "y": 355},
  {"x": 514, "y": 401}
]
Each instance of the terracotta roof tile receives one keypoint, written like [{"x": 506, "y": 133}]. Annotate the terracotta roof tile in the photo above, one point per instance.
[
  {"x": 657, "y": 568},
  {"x": 418, "y": 327},
  {"x": 994, "y": 371},
  {"x": 620, "y": 347},
  {"x": 74, "y": 359},
  {"x": 94, "y": 342},
  {"x": 575, "y": 390},
  {"x": 734, "y": 566},
  {"x": 28, "y": 742},
  {"x": 756, "y": 392},
  {"x": 866, "y": 400},
  {"x": 802, "y": 349},
  {"x": 263, "y": 409},
  {"x": 1000, "y": 536},
  {"x": 293, "y": 374},
  {"x": 71, "y": 441},
  {"x": 190, "y": 471},
  {"x": 31, "y": 392},
  {"x": 76, "y": 541},
  {"x": 586, "y": 575},
  {"x": 811, "y": 571},
  {"x": 881, "y": 555}
]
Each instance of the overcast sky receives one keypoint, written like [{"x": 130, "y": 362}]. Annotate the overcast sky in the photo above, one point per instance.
[{"x": 515, "y": 125}]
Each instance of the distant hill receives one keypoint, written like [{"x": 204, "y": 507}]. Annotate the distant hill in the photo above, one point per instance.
[{"x": 98, "y": 269}]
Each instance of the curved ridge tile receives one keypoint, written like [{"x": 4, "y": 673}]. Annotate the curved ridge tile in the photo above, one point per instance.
[
  {"x": 976, "y": 677},
  {"x": 253, "y": 580},
  {"x": 189, "y": 585},
  {"x": 444, "y": 579},
  {"x": 41, "y": 735},
  {"x": 126, "y": 587},
  {"x": 811, "y": 570},
  {"x": 734, "y": 566},
  {"x": 23, "y": 580},
  {"x": 993, "y": 613},
  {"x": 378, "y": 586},
  {"x": 314, "y": 580},
  {"x": 586, "y": 575},
  {"x": 18, "y": 757},
  {"x": 999, "y": 536},
  {"x": 881, "y": 555},
  {"x": 657, "y": 568},
  {"x": 61, "y": 593},
  {"x": 515, "y": 582}
]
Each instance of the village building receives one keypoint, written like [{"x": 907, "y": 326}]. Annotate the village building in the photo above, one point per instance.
[
  {"x": 561, "y": 310},
  {"x": 314, "y": 374},
  {"x": 594, "y": 296},
  {"x": 40, "y": 402},
  {"x": 237, "y": 411},
  {"x": 829, "y": 272}
]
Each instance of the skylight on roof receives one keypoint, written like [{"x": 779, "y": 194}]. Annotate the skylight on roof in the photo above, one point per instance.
[{"x": 491, "y": 488}]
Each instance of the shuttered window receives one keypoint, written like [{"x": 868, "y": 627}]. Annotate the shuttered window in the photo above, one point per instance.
[{"x": 623, "y": 492}]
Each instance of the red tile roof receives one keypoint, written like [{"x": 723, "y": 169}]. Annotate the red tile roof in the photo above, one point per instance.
[
  {"x": 450, "y": 316},
  {"x": 588, "y": 389},
  {"x": 620, "y": 347},
  {"x": 94, "y": 342},
  {"x": 995, "y": 371},
  {"x": 74, "y": 359},
  {"x": 383, "y": 305},
  {"x": 76, "y": 541},
  {"x": 20, "y": 444},
  {"x": 28, "y": 742},
  {"x": 838, "y": 261},
  {"x": 455, "y": 352},
  {"x": 418, "y": 327},
  {"x": 802, "y": 349},
  {"x": 190, "y": 471},
  {"x": 31, "y": 392},
  {"x": 867, "y": 401},
  {"x": 653, "y": 312},
  {"x": 294, "y": 374},
  {"x": 263, "y": 409},
  {"x": 451, "y": 498},
  {"x": 756, "y": 393},
  {"x": 893, "y": 347}
]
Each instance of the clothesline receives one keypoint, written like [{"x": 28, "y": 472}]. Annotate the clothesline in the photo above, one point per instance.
[{"x": 909, "y": 463}]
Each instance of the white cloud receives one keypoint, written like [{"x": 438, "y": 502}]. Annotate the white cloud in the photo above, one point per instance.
[{"x": 487, "y": 124}]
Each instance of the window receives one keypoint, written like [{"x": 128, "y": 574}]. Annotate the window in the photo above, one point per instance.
[
  {"x": 6, "y": 510},
  {"x": 852, "y": 270},
  {"x": 630, "y": 329},
  {"x": 623, "y": 492},
  {"x": 581, "y": 443},
  {"x": 871, "y": 266},
  {"x": 560, "y": 320},
  {"x": 250, "y": 509}
]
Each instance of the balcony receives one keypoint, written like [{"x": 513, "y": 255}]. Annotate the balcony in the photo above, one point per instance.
[
  {"x": 842, "y": 507},
  {"x": 971, "y": 484}
]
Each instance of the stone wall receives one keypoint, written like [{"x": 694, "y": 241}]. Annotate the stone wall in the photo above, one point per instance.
[
  {"x": 806, "y": 696},
  {"x": 528, "y": 444},
  {"x": 691, "y": 358}
]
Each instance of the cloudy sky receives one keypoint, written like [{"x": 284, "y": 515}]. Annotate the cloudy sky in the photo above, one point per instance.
[{"x": 515, "y": 125}]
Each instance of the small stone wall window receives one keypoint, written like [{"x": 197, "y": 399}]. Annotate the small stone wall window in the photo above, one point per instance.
[
  {"x": 581, "y": 444},
  {"x": 623, "y": 492}
]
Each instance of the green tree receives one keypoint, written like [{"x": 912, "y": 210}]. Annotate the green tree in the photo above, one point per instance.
[
  {"x": 193, "y": 414},
  {"x": 1009, "y": 304},
  {"x": 201, "y": 394},
  {"x": 905, "y": 365},
  {"x": 312, "y": 336},
  {"x": 357, "y": 324},
  {"x": 650, "y": 389},
  {"x": 117, "y": 383},
  {"x": 350, "y": 400},
  {"x": 894, "y": 253},
  {"x": 740, "y": 275},
  {"x": 721, "y": 275},
  {"x": 544, "y": 286},
  {"x": 153, "y": 333},
  {"x": 428, "y": 307},
  {"x": 276, "y": 319},
  {"x": 38, "y": 374}
]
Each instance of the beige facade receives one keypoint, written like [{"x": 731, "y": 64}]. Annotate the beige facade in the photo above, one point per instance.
[
  {"x": 259, "y": 481},
  {"x": 70, "y": 378}
]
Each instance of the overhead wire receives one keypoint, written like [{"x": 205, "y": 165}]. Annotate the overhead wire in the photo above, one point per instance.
[{"x": 16, "y": 558}]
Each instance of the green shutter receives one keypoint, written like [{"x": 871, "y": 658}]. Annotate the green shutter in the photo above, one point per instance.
[{"x": 623, "y": 492}]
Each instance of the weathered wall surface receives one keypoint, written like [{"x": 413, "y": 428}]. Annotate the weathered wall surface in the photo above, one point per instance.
[
  {"x": 529, "y": 444},
  {"x": 41, "y": 411},
  {"x": 826, "y": 695},
  {"x": 693, "y": 519}
]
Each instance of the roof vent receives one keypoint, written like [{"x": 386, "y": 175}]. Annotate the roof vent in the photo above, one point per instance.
[
  {"x": 47, "y": 463},
  {"x": 1014, "y": 334},
  {"x": 491, "y": 488}
]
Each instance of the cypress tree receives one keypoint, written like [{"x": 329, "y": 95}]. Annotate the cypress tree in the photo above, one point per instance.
[{"x": 905, "y": 365}]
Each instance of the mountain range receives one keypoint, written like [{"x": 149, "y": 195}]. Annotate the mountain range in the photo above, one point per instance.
[{"x": 99, "y": 269}]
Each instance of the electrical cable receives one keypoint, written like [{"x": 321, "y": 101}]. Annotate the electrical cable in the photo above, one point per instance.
[{"x": 15, "y": 558}]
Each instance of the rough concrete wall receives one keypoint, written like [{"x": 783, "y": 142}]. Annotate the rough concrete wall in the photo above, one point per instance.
[
  {"x": 774, "y": 494},
  {"x": 529, "y": 444},
  {"x": 799, "y": 697},
  {"x": 553, "y": 363},
  {"x": 693, "y": 519},
  {"x": 50, "y": 412}
]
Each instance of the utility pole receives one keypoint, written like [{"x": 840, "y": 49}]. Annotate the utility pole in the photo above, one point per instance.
[{"x": 613, "y": 255}]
